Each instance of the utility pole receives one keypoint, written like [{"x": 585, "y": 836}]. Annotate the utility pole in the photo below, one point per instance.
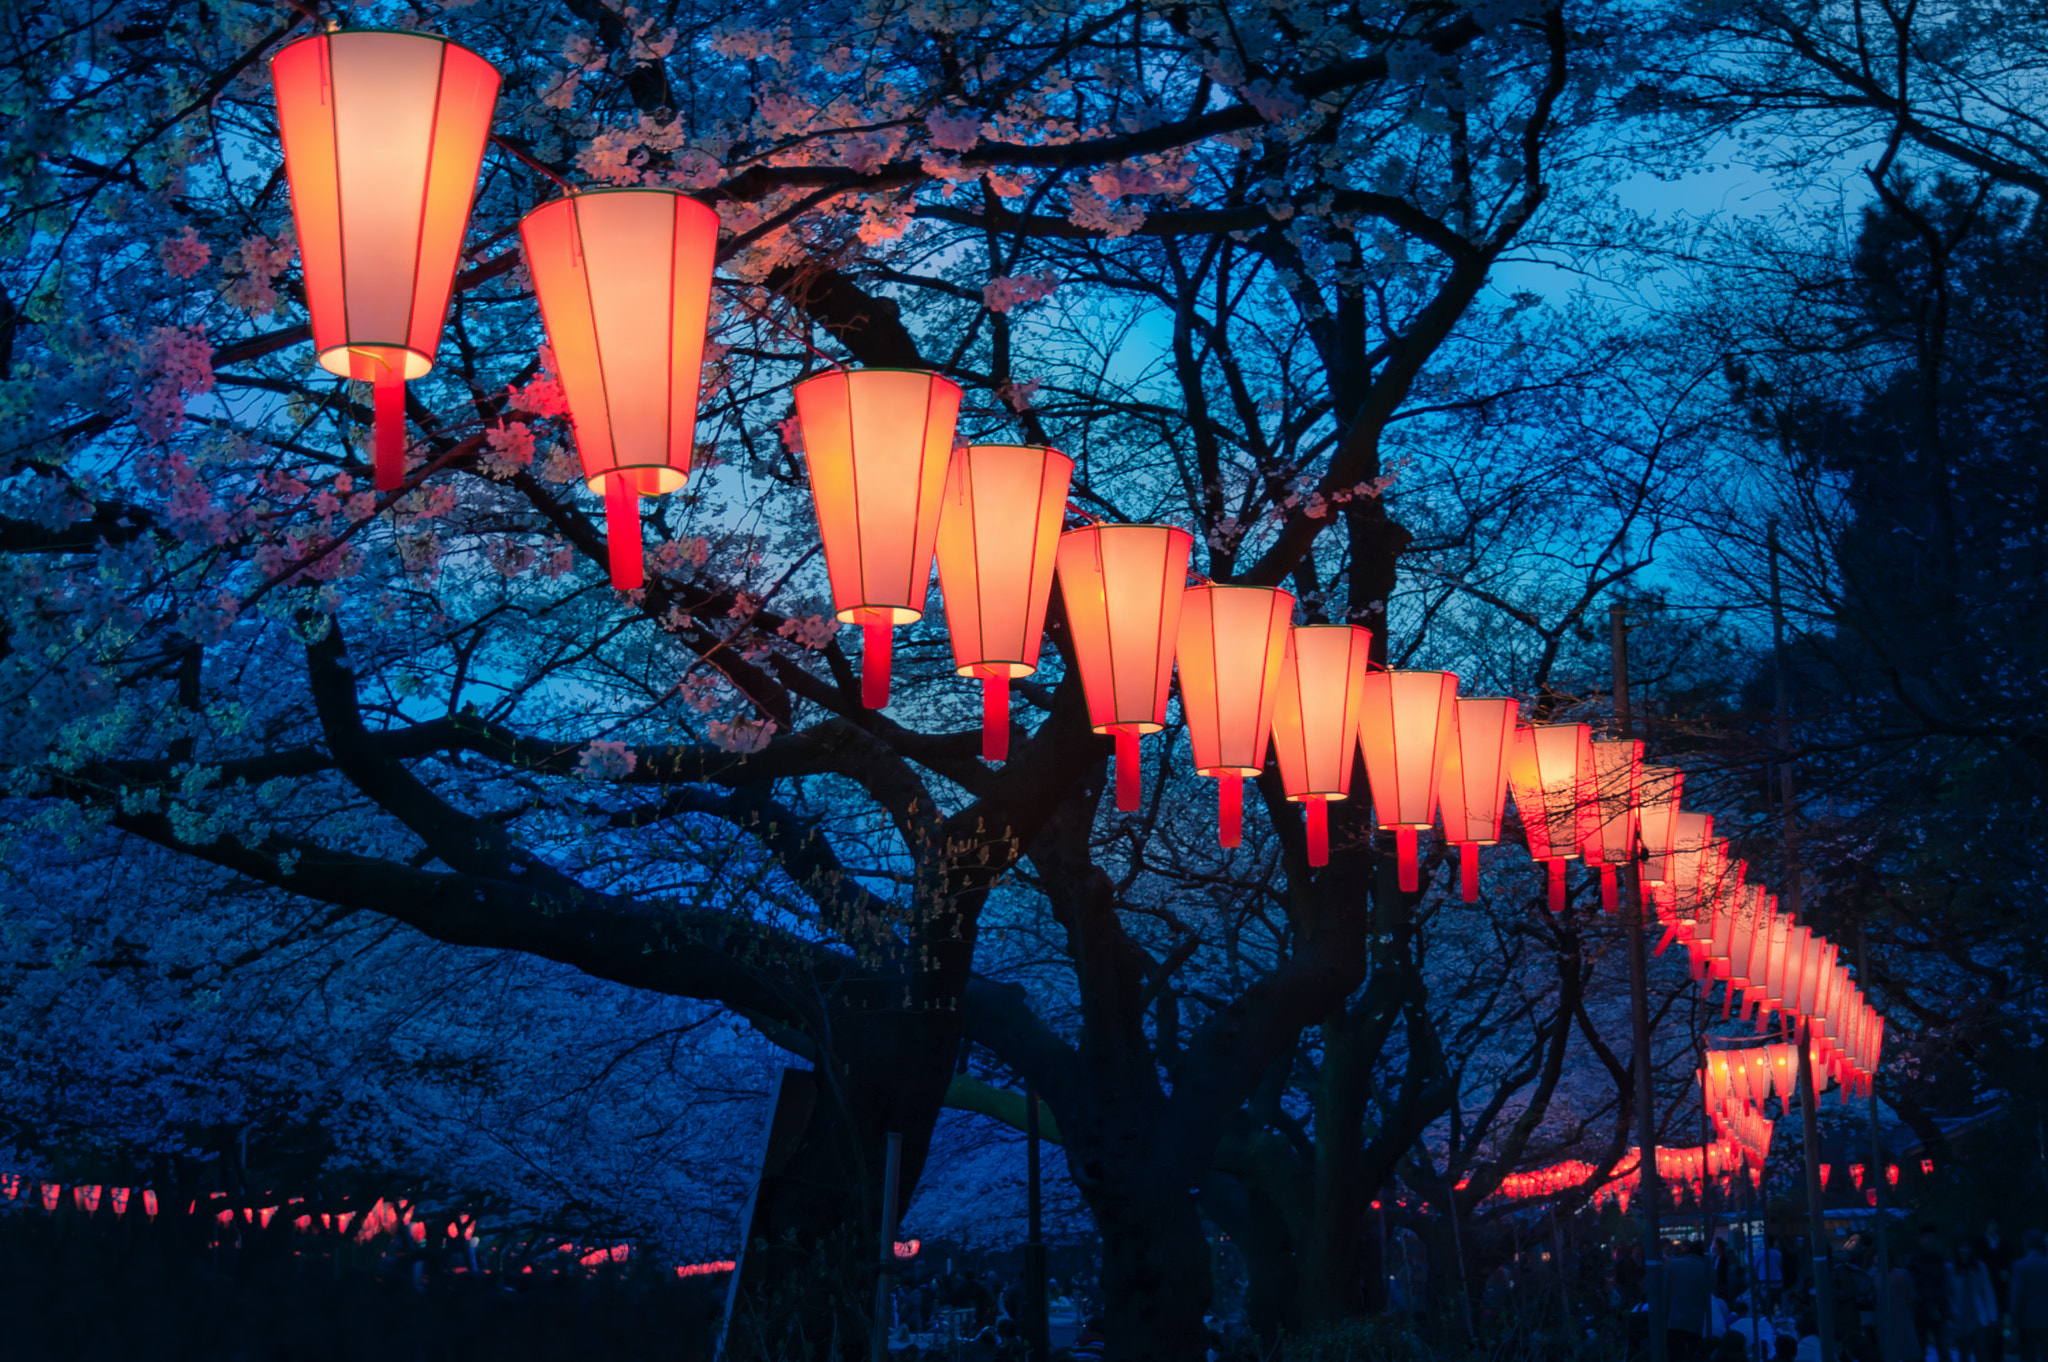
[
  {"x": 885, "y": 1276},
  {"x": 1639, "y": 1019},
  {"x": 1809, "y": 1102}
]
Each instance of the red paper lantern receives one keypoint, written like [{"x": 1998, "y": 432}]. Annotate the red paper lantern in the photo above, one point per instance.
[
  {"x": 1122, "y": 586},
  {"x": 1825, "y": 1169},
  {"x": 1927, "y": 1168},
  {"x": 1315, "y": 725},
  {"x": 383, "y": 134},
  {"x": 1891, "y": 1174},
  {"x": 999, "y": 529},
  {"x": 1617, "y": 783},
  {"x": 1856, "y": 1173},
  {"x": 149, "y": 1202},
  {"x": 1473, "y": 787},
  {"x": 878, "y": 442},
  {"x": 1232, "y": 640},
  {"x": 624, "y": 282},
  {"x": 1658, "y": 797},
  {"x": 1551, "y": 773},
  {"x": 1409, "y": 723}
]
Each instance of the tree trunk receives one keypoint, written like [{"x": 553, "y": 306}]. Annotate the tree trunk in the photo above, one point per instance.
[{"x": 1155, "y": 1263}]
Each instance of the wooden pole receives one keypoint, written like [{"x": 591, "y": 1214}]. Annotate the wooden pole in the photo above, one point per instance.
[
  {"x": 1037, "y": 1328},
  {"x": 885, "y": 1277},
  {"x": 1650, "y": 1185},
  {"x": 1809, "y": 1104}
]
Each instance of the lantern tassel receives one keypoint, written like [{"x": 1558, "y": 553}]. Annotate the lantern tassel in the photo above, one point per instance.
[
  {"x": 1230, "y": 810},
  {"x": 1318, "y": 830},
  {"x": 387, "y": 403},
  {"x": 1404, "y": 856},
  {"x": 1557, "y": 886},
  {"x": 1610, "y": 892},
  {"x": 622, "y": 533},
  {"x": 1129, "y": 769},
  {"x": 995, "y": 718},
  {"x": 1468, "y": 871},
  {"x": 876, "y": 639}
]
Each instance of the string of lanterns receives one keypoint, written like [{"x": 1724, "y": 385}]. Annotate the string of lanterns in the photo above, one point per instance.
[{"x": 383, "y": 135}]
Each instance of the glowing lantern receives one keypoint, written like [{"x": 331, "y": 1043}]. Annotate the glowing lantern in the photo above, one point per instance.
[
  {"x": 149, "y": 1202},
  {"x": 1617, "y": 782},
  {"x": 52, "y": 1193},
  {"x": 999, "y": 528},
  {"x": 1122, "y": 586},
  {"x": 1784, "y": 1071},
  {"x": 1690, "y": 866},
  {"x": 879, "y": 442},
  {"x": 1856, "y": 1174},
  {"x": 1927, "y": 1168},
  {"x": 1551, "y": 772},
  {"x": 1759, "y": 1062},
  {"x": 118, "y": 1198},
  {"x": 624, "y": 282},
  {"x": 1658, "y": 797},
  {"x": 1315, "y": 725},
  {"x": 1409, "y": 722},
  {"x": 1825, "y": 1169},
  {"x": 1232, "y": 640},
  {"x": 1891, "y": 1174},
  {"x": 1473, "y": 786},
  {"x": 384, "y": 134}
]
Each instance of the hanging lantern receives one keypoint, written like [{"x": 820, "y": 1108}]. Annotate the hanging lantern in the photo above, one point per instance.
[
  {"x": 999, "y": 528},
  {"x": 1825, "y": 1169},
  {"x": 1927, "y": 1168},
  {"x": 1551, "y": 772},
  {"x": 878, "y": 442},
  {"x": 1679, "y": 898},
  {"x": 1122, "y": 586},
  {"x": 1856, "y": 1174},
  {"x": 1784, "y": 1071},
  {"x": 1658, "y": 796},
  {"x": 1759, "y": 1061},
  {"x": 1408, "y": 724},
  {"x": 384, "y": 134},
  {"x": 624, "y": 282},
  {"x": 1315, "y": 725},
  {"x": 1473, "y": 787},
  {"x": 1891, "y": 1174},
  {"x": 1232, "y": 641},
  {"x": 149, "y": 1202},
  {"x": 1617, "y": 784}
]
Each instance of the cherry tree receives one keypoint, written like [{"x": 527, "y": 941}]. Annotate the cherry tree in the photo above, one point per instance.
[{"x": 1235, "y": 259}]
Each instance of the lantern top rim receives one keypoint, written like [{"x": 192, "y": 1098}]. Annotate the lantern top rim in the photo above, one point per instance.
[
  {"x": 1013, "y": 444},
  {"x": 850, "y": 369},
  {"x": 383, "y": 28},
  {"x": 1124, "y": 525},
  {"x": 592, "y": 191}
]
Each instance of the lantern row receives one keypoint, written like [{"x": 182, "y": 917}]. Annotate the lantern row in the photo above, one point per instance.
[
  {"x": 383, "y": 135},
  {"x": 1736, "y": 935}
]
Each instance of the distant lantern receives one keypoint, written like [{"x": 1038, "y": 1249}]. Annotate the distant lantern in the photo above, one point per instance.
[
  {"x": 1409, "y": 722},
  {"x": 878, "y": 442},
  {"x": 384, "y": 134},
  {"x": 1617, "y": 785},
  {"x": 1232, "y": 641},
  {"x": 1661, "y": 788},
  {"x": 999, "y": 529},
  {"x": 1315, "y": 725},
  {"x": 149, "y": 1202},
  {"x": 1122, "y": 586},
  {"x": 1688, "y": 866},
  {"x": 624, "y": 282},
  {"x": 1551, "y": 773},
  {"x": 1856, "y": 1173},
  {"x": 1891, "y": 1174},
  {"x": 1927, "y": 1168},
  {"x": 1472, "y": 790}
]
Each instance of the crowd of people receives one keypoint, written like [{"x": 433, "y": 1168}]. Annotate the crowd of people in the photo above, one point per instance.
[{"x": 1944, "y": 1302}]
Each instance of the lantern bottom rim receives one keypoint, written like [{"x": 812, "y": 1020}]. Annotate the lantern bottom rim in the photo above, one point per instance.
[
  {"x": 366, "y": 361},
  {"x": 1008, "y": 671},
  {"x": 1329, "y": 796},
  {"x": 1141, "y": 728},
  {"x": 647, "y": 480},
  {"x": 1221, "y": 772},
  {"x": 878, "y": 614}
]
